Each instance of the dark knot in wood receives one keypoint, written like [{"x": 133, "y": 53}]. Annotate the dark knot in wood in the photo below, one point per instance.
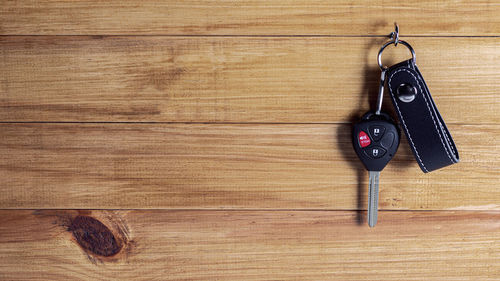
[{"x": 94, "y": 237}]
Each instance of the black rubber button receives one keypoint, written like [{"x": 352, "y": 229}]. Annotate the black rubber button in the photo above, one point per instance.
[
  {"x": 376, "y": 132},
  {"x": 375, "y": 152},
  {"x": 387, "y": 140}
]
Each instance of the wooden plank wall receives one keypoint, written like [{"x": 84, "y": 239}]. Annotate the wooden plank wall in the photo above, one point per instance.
[{"x": 210, "y": 140}]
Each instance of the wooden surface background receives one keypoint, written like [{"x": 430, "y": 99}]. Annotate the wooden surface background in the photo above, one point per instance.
[{"x": 210, "y": 140}]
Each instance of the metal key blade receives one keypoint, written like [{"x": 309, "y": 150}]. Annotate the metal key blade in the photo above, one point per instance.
[{"x": 373, "y": 198}]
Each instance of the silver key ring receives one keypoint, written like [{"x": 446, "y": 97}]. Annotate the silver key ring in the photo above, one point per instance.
[{"x": 395, "y": 42}]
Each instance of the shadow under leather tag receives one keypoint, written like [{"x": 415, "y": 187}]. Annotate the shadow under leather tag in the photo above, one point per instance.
[{"x": 424, "y": 127}]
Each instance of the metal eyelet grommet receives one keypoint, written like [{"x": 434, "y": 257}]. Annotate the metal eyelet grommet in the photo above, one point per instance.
[{"x": 406, "y": 92}]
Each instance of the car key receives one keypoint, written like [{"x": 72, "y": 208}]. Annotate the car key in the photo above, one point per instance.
[{"x": 375, "y": 140}]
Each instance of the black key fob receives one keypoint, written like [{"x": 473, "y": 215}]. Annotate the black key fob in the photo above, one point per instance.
[{"x": 376, "y": 140}]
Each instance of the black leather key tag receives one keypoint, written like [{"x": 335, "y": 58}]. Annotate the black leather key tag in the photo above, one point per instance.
[{"x": 424, "y": 127}]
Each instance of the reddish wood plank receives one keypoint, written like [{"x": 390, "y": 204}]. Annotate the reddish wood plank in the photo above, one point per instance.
[{"x": 251, "y": 245}]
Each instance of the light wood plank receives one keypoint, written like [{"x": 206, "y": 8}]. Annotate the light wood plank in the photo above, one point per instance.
[
  {"x": 232, "y": 79},
  {"x": 102, "y": 166},
  {"x": 253, "y": 245},
  {"x": 254, "y": 17}
]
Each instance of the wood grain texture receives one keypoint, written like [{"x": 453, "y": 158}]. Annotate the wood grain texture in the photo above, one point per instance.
[
  {"x": 208, "y": 140},
  {"x": 273, "y": 166},
  {"x": 233, "y": 79},
  {"x": 254, "y": 245},
  {"x": 255, "y": 17}
]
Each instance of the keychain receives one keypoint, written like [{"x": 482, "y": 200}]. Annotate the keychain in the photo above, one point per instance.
[{"x": 376, "y": 137}]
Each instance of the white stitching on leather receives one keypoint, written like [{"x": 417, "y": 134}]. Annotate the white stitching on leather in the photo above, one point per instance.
[
  {"x": 404, "y": 123},
  {"x": 447, "y": 137},
  {"x": 432, "y": 116}
]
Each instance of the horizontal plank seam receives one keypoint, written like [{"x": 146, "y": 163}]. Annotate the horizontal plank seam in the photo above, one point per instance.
[
  {"x": 249, "y": 210},
  {"x": 248, "y": 35},
  {"x": 205, "y": 123}
]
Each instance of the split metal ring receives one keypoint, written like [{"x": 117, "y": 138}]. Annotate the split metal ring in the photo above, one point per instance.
[{"x": 379, "y": 57}]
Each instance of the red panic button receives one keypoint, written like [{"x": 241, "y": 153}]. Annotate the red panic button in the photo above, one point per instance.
[{"x": 364, "y": 140}]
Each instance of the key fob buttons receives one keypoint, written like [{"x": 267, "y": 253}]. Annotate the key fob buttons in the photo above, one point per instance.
[
  {"x": 375, "y": 152},
  {"x": 375, "y": 139},
  {"x": 377, "y": 132},
  {"x": 387, "y": 140},
  {"x": 364, "y": 139}
]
